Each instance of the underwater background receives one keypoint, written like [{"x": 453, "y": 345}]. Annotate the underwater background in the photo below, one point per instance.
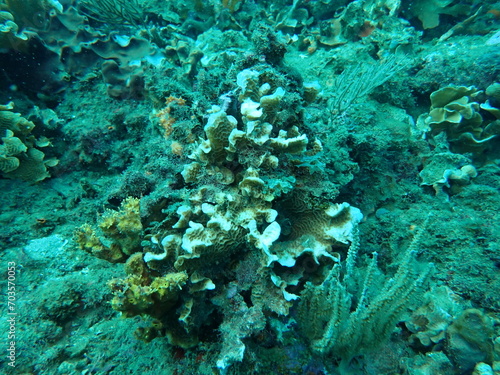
[{"x": 250, "y": 187}]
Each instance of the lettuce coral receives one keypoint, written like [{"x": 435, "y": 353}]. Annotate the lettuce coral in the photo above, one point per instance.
[
  {"x": 10, "y": 33},
  {"x": 19, "y": 155},
  {"x": 455, "y": 110}
]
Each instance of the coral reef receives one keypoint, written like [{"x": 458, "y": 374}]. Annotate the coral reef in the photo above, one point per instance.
[
  {"x": 245, "y": 179},
  {"x": 219, "y": 223}
]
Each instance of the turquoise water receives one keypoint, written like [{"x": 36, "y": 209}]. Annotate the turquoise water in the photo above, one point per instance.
[{"x": 239, "y": 187}]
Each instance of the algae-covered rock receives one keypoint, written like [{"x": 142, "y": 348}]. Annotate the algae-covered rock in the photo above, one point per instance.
[
  {"x": 435, "y": 363},
  {"x": 448, "y": 170}
]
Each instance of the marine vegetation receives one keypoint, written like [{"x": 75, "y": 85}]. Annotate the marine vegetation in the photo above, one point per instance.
[{"x": 250, "y": 187}]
